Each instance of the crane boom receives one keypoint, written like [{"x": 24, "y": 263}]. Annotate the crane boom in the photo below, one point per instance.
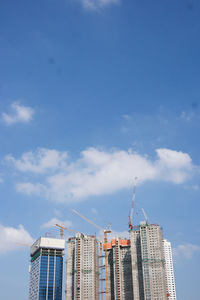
[
  {"x": 132, "y": 205},
  {"x": 86, "y": 219},
  {"x": 145, "y": 216},
  {"x": 62, "y": 228}
]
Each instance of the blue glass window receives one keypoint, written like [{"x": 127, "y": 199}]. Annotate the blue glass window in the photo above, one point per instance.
[{"x": 51, "y": 282}]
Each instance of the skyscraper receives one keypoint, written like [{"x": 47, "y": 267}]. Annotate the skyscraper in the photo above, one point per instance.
[
  {"x": 82, "y": 268},
  {"x": 169, "y": 269},
  {"x": 46, "y": 269},
  {"x": 148, "y": 263},
  {"x": 120, "y": 286}
]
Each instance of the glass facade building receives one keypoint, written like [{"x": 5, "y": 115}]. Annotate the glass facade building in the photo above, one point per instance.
[{"x": 46, "y": 270}]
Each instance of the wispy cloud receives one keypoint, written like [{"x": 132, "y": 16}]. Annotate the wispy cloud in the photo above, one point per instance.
[
  {"x": 97, "y": 172},
  {"x": 54, "y": 221},
  {"x": 41, "y": 161},
  {"x": 187, "y": 116},
  {"x": 11, "y": 238},
  {"x": 97, "y": 4},
  {"x": 30, "y": 188},
  {"x": 196, "y": 187},
  {"x": 58, "y": 213},
  {"x": 19, "y": 114},
  {"x": 127, "y": 117},
  {"x": 94, "y": 211},
  {"x": 186, "y": 250}
]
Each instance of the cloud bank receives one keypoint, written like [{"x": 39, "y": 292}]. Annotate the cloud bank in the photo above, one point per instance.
[
  {"x": 54, "y": 175},
  {"x": 19, "y": 114},
  {"x": 11, "y": 238}
]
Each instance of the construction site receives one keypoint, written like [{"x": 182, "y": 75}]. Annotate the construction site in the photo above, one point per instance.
[
  {"x": 136, "y": 268},
  {"x": 118, "y": 269}
]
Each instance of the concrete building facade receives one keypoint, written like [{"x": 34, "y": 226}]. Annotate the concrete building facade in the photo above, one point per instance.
[
  {"x": 148, "y": 262},
  {"x": 169, "y": 269},
  {"x": 82, "y": 268},
  {"x": 138, "y": 269},
  {"x": 119, "y": 270}
]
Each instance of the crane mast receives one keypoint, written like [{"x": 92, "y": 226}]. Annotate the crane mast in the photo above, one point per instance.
[
  {"x": 130, "y": 223},
  {"x": 62, "y": 228}
]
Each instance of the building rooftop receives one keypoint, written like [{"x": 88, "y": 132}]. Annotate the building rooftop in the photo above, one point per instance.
[{"x": 47, "y": 242}]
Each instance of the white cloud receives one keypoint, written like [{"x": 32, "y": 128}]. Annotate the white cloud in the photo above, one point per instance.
[
  {"x": 173, "y": 165},
  {"x": 54, "y": 221},
  {"x": 29, "y": 188},
  {"x": 186, "y": 250},
  {"x": 40, "y": 161},
  {"x": 98, "y": 172},
  {"x": 97, "y": 4},
  {"x": 19, "y": 114},
  {"x": 11, "y": 238}
]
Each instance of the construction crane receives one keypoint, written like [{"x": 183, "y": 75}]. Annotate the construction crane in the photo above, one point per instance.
[
  {"x": 62, "y": 228},
  {"x": 105, "y": 231},
  {"x": 130, "y": 222},
  {"x": 145, "y": 216}
]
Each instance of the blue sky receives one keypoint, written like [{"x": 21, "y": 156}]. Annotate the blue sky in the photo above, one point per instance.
[{"x": 92, "y": 94}]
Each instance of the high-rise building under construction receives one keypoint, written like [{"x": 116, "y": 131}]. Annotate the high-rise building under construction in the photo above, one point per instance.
[
  {"x": 82, "y": 268},
  {"x": 119, "y": 270},
  {"x": 169, "y": 270},
  {"x": 136, "y": 267},
  {"x": 148, "y": 263}
]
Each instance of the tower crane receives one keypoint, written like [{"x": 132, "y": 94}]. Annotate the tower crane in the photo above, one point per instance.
[
  {"x": 145, "y": 216},
  {"x": 130, "y": 223},
  {"x": 105, "y": 231},
  {"x": 62, "y": 228}
]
